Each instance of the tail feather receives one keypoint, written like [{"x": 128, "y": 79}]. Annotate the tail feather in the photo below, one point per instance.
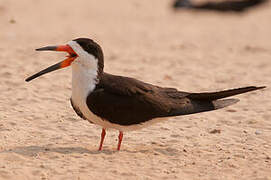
[
  {"x": 201, "y": 102},
  {"x": 218, "y": 104},
  {"x": 196, "y": 106},
  {"x": 222, "y": 94}
]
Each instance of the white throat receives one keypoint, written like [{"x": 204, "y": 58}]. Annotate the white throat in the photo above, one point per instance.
[
  {"x": 84, "y": 80},
  {"x": 84, "y": 74}
]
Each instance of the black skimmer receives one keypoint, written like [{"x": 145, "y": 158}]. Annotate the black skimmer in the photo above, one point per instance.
[
  {"x": 221, "y": 6},
  {"x": 124, "y": 103}
]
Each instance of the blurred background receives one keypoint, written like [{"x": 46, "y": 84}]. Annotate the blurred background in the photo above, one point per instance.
[{"x": 185, "y": 48}]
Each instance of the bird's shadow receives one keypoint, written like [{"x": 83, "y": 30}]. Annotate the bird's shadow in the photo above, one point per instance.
[
  {"x": 35, "y": 150},
  {"x": 32, "y": 151}
]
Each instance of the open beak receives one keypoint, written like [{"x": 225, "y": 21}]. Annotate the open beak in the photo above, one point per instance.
[{"x": 71, "y": 57}]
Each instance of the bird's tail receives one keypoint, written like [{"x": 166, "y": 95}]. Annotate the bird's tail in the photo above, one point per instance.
[
  {"x": 221, "y": 103},
  {"x": 211, "y": 96},
  {"x": 201, "y": 102}
]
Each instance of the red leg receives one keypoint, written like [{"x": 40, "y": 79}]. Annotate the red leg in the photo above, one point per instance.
[
  {"x": 102, "y": 139},
  {"x": 120, "y": 139}
]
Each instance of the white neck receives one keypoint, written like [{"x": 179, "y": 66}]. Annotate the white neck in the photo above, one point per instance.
[{"x": 84, "y": 74}]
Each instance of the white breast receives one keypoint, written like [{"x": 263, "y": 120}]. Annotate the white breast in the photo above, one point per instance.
[{"x": 84, "y": 80}]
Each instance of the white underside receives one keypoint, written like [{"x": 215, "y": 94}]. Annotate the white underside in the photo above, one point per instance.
[
  {"x": 84, "y": 74},
  {"x": 108, "y": 125}
]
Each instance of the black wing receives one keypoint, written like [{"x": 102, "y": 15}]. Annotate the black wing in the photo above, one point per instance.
[{"x": 128, "y": 101}]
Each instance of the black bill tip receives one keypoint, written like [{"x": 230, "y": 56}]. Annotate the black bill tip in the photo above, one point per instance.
[
  {"x": 47, "y": 48},
  {"x": 45, "y": 71},
  {"x": 32, "y": 77}
]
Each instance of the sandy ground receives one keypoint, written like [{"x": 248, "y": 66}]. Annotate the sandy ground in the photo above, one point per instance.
[{"x": 42, "y": 138}]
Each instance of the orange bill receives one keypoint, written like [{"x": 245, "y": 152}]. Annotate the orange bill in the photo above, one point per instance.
[{"x": 67, "y": 62}]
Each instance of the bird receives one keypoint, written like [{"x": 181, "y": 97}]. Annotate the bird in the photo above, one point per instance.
[
  {"x": 237, "y": 6},
  {"x": 124, "y": 103}
]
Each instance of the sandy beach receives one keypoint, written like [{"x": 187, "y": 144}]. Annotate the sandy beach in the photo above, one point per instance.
[{"x": 41, "y": 137}]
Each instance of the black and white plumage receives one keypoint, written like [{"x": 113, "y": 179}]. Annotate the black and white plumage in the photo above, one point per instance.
[{"x": 124, "y": 103}]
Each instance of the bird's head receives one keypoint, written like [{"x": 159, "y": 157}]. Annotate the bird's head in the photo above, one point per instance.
[{"x": 82, "y": 51}]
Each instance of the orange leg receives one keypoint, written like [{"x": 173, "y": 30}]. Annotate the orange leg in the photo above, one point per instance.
[
  {"x": 102, "y": 139},
  {"x": 120, "y": 139}
]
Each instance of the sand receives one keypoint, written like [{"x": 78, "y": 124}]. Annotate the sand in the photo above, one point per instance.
[{"x": 42, "y": 138}]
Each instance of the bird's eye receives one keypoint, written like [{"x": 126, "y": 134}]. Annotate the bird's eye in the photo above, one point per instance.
[{"x": 73, "y": 55}]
